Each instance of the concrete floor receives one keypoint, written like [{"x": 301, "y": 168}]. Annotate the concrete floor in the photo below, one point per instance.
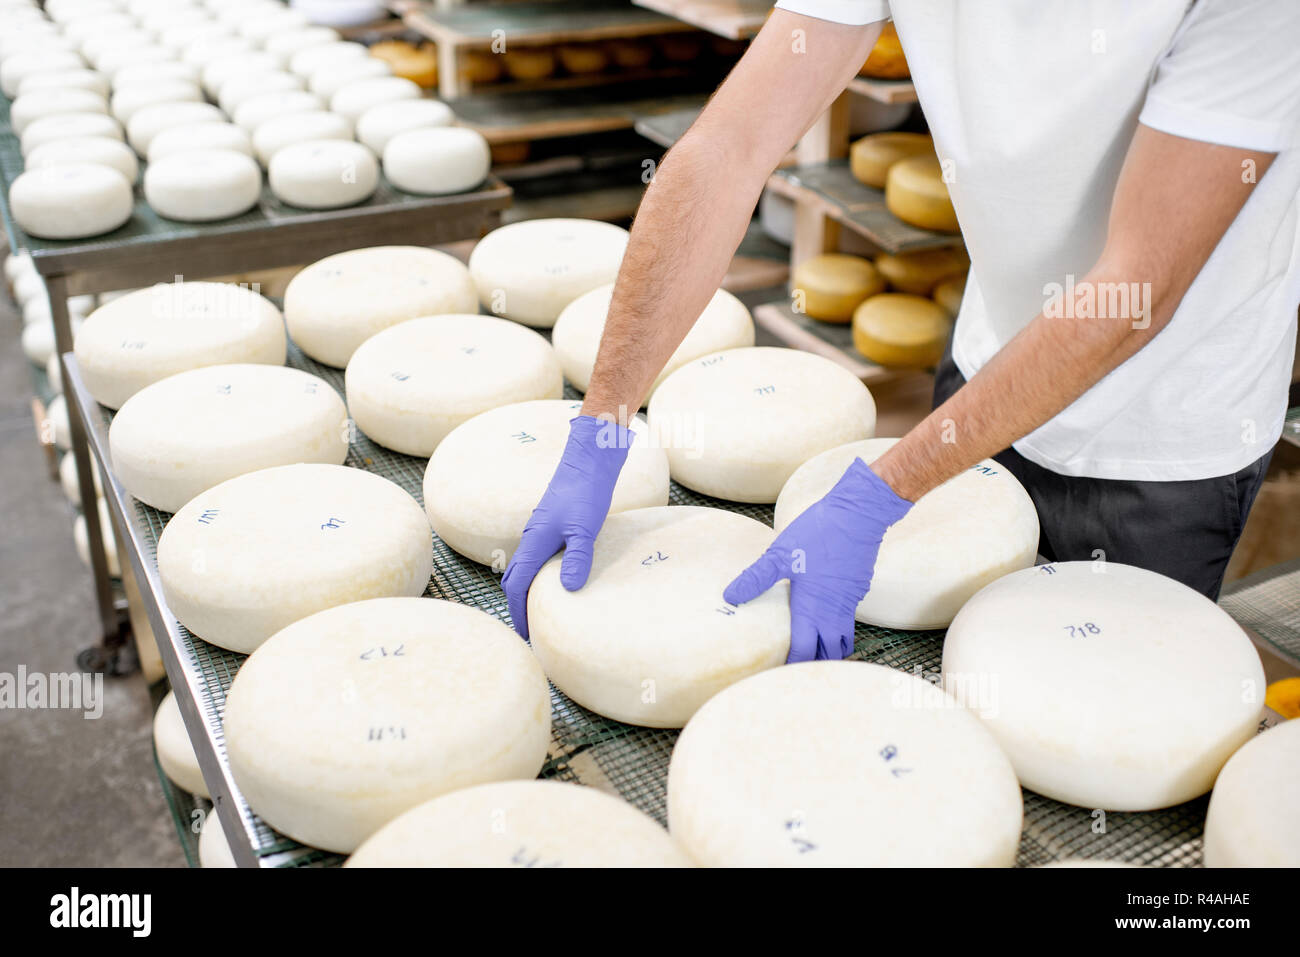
[{"x": 73, "y": 792}]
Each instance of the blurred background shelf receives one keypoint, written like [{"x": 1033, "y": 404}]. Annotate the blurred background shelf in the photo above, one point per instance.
[{"x": 732, "y": 19}]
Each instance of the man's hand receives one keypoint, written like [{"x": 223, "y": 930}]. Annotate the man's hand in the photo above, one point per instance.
[
  {"x": 829, "y": 555},
  {"x": 570, "y": 513}
]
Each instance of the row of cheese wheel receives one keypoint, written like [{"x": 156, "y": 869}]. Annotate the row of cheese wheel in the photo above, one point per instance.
[{"x": 915, "y": 182}]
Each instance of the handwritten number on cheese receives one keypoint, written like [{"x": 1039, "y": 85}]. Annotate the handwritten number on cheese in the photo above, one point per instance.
[
  {"x": 333, "y": 523},
  {"x": 381, "y": 652},
  {"x": 387, "y": 733},
  {"x": 890, "y": 754},
  {"x": 654, "y": 559},
  {"x": 765, "y": 390},
  {"x": 209, "y": 516},
  {"x": 795, "y": 826},
  {"x": 526, "y": 858},
  {"x": 1081, "y": 631},
  {"x": 523, "y": 438},
  {"x": 984, "y": 469}
]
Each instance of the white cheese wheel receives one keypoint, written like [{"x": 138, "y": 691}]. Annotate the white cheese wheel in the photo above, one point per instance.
[
  {"x": 308, "y": 61},
  {"x": 41, "y": 103},
  {"x": 281, "y": 131},
  {"x": 486, "y": 477},
  {"x": 328, "y": 79},
  {"x": 353, "y": 535},
  {"x": 54, "y": 373},
  {"x": 80, "y": 28},
  {"x": 1108, "y": 686},
  {"x": 71, "y": 201},
  {"x": 18, "y": 265},
  {"x": 379, "y": 124},
  {"x": 841, "y": 764},
  {"x": 411, "y": 384},
  {"x": 19, "y": 66},
  {"x": 344, "y": 720},
  {"x": 530, "y": 271},
  {"x": 79, "y": 79},
  {"x": 30, "y": 288},
  {"x": 338, "y": 302},
  {"x": 200, "y": 186},
  {"x": 240, "y": 88},
  {"x": 354, "y": 98},
  {"x": 118, "y": 58},
  {"x": 148, "y": 122},
  {"x": 214, "y": 849},
  {"x": 323, "y": 174},
  {"x": 175, "y": 751},
  {"x": 434, "y": 162},
  {"x": 522, "y": 824},
  {"x": 145, "y": 74},
  {"x": 81, "y": 539},
  {"x": 196, "y": 429},
  {"x": 68, "y": 479},
  {"x": 98, "y": 44},
  {"x": 56, "y": 421},
  {"x": 659, "y": 573},
  {"x": 38, "y": 341},
  {"x": 222, "y": 68},
  {"x": 200, "y": 136},
  {"x": 288, "y": 42},
  {"x": 139, "y": 338},
  {"x": 99, "y": 150},
  {"x": 959, "y": 537},
  {"x": 202, "y": 51},
  {"x": 177, "y": 36},
  {"x": 1254, "y": 815},
  {"x": 260, "y": 28},
  {"x": 128, "y": 100},
  {"x": 737, "y": 424},
  {"x": 725, "y": 323},
  {"x": 341, "y": 13},
  {"x": 256, "y": 110},
  {"x": 65, "y": 125}
]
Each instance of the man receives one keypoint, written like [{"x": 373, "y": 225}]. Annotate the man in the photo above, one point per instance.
[{"x": 1091, "y": 148}]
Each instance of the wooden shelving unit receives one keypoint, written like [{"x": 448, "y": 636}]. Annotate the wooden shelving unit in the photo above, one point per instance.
[{"x": 732, "y": 19}]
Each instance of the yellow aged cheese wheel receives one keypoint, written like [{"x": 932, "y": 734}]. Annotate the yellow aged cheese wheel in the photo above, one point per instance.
[
  {"x": 476, "y": 66},
  {"x": 529, "y": 63},
  {"x": 631, "y": 54},
  {"x": 504, "y": 154},
  {"x": 583, "y": 57},
  {"x": 830, "y": 286},
  {"x": 886, "y": 60},
  {"x": 948, "y": 294},
  {"x": 920, "y": 271},
  {"x": 871, "y": 156},
  {"x": 901, "y": 331},
  {"x": 1284, "y": 697},
  {"x": 680, "y": 47},
  {"x": 916, "y": 193},
  {"x": 419, "y": 64}
]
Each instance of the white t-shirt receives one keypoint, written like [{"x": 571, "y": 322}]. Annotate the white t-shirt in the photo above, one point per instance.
[{"x": 1033, "y": 104}]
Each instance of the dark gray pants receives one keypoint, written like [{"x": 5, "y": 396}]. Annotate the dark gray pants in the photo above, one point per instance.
[{"x": 1185, "y": 530}]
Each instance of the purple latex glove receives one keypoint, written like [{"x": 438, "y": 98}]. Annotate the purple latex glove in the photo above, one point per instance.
[
  {"x": 829, "y": 555},
  {"x": 570, "y": 513}
]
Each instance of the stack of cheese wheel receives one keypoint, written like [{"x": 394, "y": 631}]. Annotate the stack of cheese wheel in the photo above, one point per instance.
[
  {"x": 916, "y": 193},
  {"x": 830, "y": 286},
  {"x": 191, "y": 431},
  {"x": 841, "y": 764},
  {"x": 81, "y": 539},
  {"x": 486, "y": 477},
  {"x": 530, "y": 271},
  {"x": 959, "y": 537},
  {"x": 920, "y": 271},
  {"x": 410, "y": 385},
  {"x": 737, "y": 424},
  {"x": 338, "y": 302},
  {"x": 660, "y": 573},
  {"x": 1108, "y": 686},
  {"x": 175, "y": 751},
  {"x": 725, "y": 323},
  {"x": 353, "y": 535},
  {"x": 871, "y": 157},
  {"x": 522, "y": 824},
  {"x": 1254, "y": 817},
  {"x": 346, "y": 719},
  {"x": 214, "y": 849},
  {"x": 901, "y": 331}
]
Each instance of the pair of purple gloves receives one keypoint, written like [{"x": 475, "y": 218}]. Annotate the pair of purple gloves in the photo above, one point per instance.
[{"x": 828, "y": 553}]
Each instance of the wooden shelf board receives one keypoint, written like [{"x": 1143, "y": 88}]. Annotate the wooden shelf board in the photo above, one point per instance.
[
  {"x": 552, "y": 21},
  {"x": 883, "y": 91},
  {"x": 509, "y": 118},
  {"x": 732, "y": 19},
  {"x": 830, "y": 341}
]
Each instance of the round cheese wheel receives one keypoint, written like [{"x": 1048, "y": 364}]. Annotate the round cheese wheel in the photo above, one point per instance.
[
  {"x": 117, "y": 58},
  {"x": 630, "y": 53},
  {"x": 971, "y": 530},
  {"x": 65, "y": 125},
  {"x": 202, "y": 51},
  {"x": 132, "y": 38},
  {"x": 323, "y": 174},
  {"x": 899, "y": 331},
  {"x": 1108, "y": 686},
  {"x": 149, "y": 334},
  {"x": 128, "y": 100},
  {"x": 68, "y": 479},
  {"x": 737, "y": 424},
  {"x": 146, "y": 74},
  {"x": 259, "y": 29},
  {"x": 433, "y": 162},
  {"x": 81, "y": 539},
  {"x": 200, "y": 136},
  {"x": 177, "y": 36},
  {"x": 196, "y": 429},
  {"x": 288, "y": 42},
  {"x": 841, "y": 764},
  {"x": 522, "y": 824},
  {"x": 1283, "y": 696},
  {"x": 419, "y": 64},
  {"x": 916, "y": 193},
  {"x": 308, "y": 61},
  {"x": 54, "y": 373},
  {"x": 342, "y": 13},
  {"x": 528, "y": 63},
  {"x": 919, "y": 272},
  {"x": 871, "y": 157},
  {"x": 580, "y": 58},
  {"x": 77, "y": 79},
  {"x": 477, "y": 67},
  {"x": 486, "y": 477},
  {"x": 214, "y": 849},
  {"x": 830, "y": 286},
  {"x": 256, "y": 110},
  {"x": 201, "y": 186},
  {"x": 222, "y": 68},
  {"x": 41, "y": 103},
  {"x": 725, "y": 323},
  {"x": 38, "y": 341},
  {"x": 353, "y": 535},
  {"x": 238, "y": 89},
  {"x": 333, "y": 76},
  {"x": 175, "y": 751},
  {"x": 31, "y": 288},
  {"x": 149, "y": 121},
  {"x": 409, "y": 385},
  {"x": 353, "y": 99},
  {"x": 281, "y": 131},
  {"x": 99, "y": 150},
  {"x": 348, "y": 718},
  {"x": 19, "y": 66},
  {"x": 71, "y": 200},
  {"x": 886, "y": 60},
  {"x": 1254, "y": 818},
  {"x": 529, "y": 271},
  {"x": 82, "y": 27},
  {"x": 948, "y": 294},
  {"x": 660, "y": 573},
  {"x": 338, "y": 302},
  {"x": 379, "y": 124}
]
